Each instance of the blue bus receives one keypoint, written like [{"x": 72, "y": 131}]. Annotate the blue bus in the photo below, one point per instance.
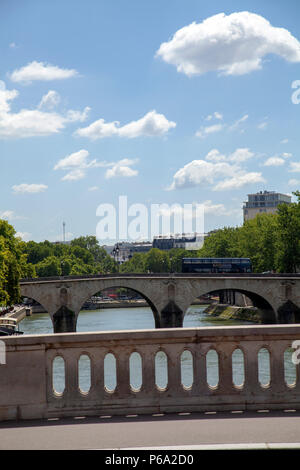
[{"x": 216, "y": 265}]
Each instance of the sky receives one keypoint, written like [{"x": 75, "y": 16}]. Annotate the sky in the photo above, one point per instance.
[{"x": 173, "y": 102}]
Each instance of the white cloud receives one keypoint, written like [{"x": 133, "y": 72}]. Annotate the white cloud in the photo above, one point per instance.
[
  {"x": 233, "y": 45},
  {"x": 11, "y": 215},
  {"x": 237, "y": 123},
  {"x": 74, "y": 160},
  {"x": 74, "y": 175},
  {"x": 8, "y": 215},
  {"x": 25, "y": 236},
  {"x": 50, "y": 100},
  {"x": 294, "y": 167},
  {"x": 121, "y": 169},
  {"x": 29, "y": 188},
  {"x": 274, "y": 161},
  {"x": 215, "y": 115},
  {"x": 41, "y": 71},
  {"x": 32, "y": 122},
  {"x": 294, "y": 182},
  {"x": 204, "y": 131},
  {"x": 287, "y": 155},
  {"x": 238, "y": 156},
  {"x": 78, "y": 163},
  {"x": 200, "y": 172},
  {"x": 218, "y": 170},
  {"x": 93, "y": 188},
  {"x": 239, "y": 180},
  {"x": 152, "y": 124},
  {"x": 215, "y": 156},
  {"x": 262, "y": 125},
  {"x": 284, "y": 141}
]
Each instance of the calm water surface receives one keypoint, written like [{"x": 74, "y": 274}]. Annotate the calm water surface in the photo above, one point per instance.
[{"x": 142, "y": 318}]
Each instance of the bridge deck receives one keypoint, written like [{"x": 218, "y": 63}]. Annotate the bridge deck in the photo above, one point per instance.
[{"x": 164, "y": 275}]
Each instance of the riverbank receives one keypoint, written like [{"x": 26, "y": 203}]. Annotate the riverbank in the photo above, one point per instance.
[{"x": 232, "y": 312}]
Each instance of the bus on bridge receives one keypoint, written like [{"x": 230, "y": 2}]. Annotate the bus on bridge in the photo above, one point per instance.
[{"x": 216, "y": 265}]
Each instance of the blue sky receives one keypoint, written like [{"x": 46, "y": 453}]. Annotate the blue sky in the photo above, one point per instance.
[{"x": 164, "y": 102}]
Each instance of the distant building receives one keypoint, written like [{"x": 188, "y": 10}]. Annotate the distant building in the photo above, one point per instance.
[
  {"x": 263, "y": 202},
  {"x": 185, "y": 241},
  {"x": 123, "y": 251}
]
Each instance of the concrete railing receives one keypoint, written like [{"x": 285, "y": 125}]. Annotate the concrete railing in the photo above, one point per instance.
[{"x": 27, "y": 380}]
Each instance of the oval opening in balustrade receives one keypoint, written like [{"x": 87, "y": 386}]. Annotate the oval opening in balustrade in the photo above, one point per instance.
[
  {"x": 58, "y": 375},
  {"x": 135, "y": 371},
  {"x": 238, "y": 368},
  {"x": 264, "y": 368},
  {"x": 161, "y": 370},
  {"x": 84, "y": 373},
  {"x": 212, "y": 368},
  {"x": 187, "y": 373},
  {"x": 290, "y": 370},
  {"x": 110, "y": 372}
]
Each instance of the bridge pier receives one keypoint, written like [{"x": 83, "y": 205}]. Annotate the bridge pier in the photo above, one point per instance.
[
  {"x": 64, "y": 320},
  {"x": 171, "y": 316}
]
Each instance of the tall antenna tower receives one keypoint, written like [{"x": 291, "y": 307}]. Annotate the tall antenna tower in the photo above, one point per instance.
[{"x": 64, "y": 231}]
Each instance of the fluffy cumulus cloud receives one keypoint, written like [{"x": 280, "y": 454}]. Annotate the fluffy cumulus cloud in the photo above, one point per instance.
[
  {"x": 274, "y": 161},
  {"x": 238, "y": 156},
  {"x": 25, "y": 236},
  {"x": 204, "y": 131},
  {"x": 50, "y": 100},
  {"x": 41, "y": 71},
  {"x": 10, "y": 215},
  {"x": 76, "y": 164},
  {"x": 152, "y": 124},
  {"x": 29, "y": 188},
  {"x": 33, "y": 122},
  {"x": 295, "y": 167},
  {"x": 217, "y": 170},
  {"x": 121, "y": 169},
  {"x": 234, "y": 45}
]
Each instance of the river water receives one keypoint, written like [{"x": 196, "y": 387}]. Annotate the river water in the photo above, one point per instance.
[{"x": 142, "y": 318}]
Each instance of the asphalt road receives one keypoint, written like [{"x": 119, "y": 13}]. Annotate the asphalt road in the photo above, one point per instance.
[{"x": 195, "y": 430}]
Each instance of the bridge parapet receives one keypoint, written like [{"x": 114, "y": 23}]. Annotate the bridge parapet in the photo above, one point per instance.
[{"x": 27, "y": 383}]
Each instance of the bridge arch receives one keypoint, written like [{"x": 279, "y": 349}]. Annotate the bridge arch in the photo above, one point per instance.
[
  {"x": 265, "y": 306},
  {"x": 118, "y": 285}
]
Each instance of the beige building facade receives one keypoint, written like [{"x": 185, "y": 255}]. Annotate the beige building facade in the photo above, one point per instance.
[{"x": 263, "y": 202}]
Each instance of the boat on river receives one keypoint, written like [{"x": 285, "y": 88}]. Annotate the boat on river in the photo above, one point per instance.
[{"x": 9, "y": 326}]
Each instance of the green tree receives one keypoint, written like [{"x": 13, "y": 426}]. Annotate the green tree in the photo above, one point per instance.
[
  {"x": 11, "y": 262},
  {"x": 288, "y": 246},
  {"x": 49, "y": 267},
  {"x": 157, "y": 261}
]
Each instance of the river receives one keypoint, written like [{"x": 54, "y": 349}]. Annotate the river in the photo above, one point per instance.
[{"x": 142, "y": 318}]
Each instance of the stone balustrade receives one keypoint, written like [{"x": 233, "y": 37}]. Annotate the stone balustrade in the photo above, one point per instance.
[{"x": 149, "y": 371}]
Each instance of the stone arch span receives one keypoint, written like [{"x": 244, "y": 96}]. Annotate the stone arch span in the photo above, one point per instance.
[
  {"x": 263, "y": 304},
  {"x": 102, "y": 287}
]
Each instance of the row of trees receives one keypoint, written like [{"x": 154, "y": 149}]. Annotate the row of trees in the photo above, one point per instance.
[
  {"x": 19, "y": 259},
  {"x": 272, "y": 242},
  {"x": 84, "y": 255}
]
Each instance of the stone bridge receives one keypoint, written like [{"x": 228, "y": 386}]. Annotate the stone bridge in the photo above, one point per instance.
[{"x": 277, "y": 296}]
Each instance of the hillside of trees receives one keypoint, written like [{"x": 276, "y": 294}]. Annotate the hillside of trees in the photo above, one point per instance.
[{"x": 272, "y": 242}]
